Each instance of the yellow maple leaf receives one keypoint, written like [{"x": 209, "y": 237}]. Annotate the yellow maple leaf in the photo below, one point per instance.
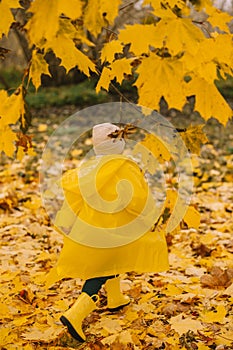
[
  {"x": 61, "y": 45},
  {"x": 164, "y": 10},
  {"x": 7, "y": 19},
  {"x": 194, "y": 137},
  {"x": 157, "y": 147},
  {"x": 41, "y": 333},
  {"x": 110, "y": 326},
  {"x": 67, "y": 29},
  {"x": 179, "y": 34},
  {"x": 203, "y": 5},
  {"x": 148, "y": 161},
  {"x": 109, "y": 9},
  {"x": 71, "y": 8},
  {"x": 209, "y": 102},
  {"x": 12, "y": 107},
  {"x": 210, "y": 57},
  {"x": 176, "y": 209},
  {"x": 201, "y": 66},
  {"x": 45, "y": 21},
  {"x": 20, "y": 153},
  {"x": 203, "y": 347},
  {"x": 172, "y": 290},
  {"x": 13, "y": 4},
  {"x": 171, "y": 198},
  {"x": 212, "y": 49},
  {"x": 38, "y": 67},
  {"x": 182, "y": 324},
  {"x": 99, "y": 13},
  {"x": 120, "y": 68},
  {"x": 140, "y": 37},
  {"x": 192, "y": 217},
  {"x": 7, "y": 140},
  {"x": 7, "y": 338},
  {"x": 219, "y": 19},
  {"x": 117, "y": 70},
  {"x": 215, "y": 316},
  {"x": 166, "y": 76},
  {"x": 109, "y": 50},
  {"x": 3, "y": 101},
  {"x": 104, "y": 80},
  {"x": 93, "y": 21}
]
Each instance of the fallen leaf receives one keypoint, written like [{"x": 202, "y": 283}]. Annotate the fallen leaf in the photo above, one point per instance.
[
  {"x": 216, "y": 315},
  {"x": 182, "y": 324}
]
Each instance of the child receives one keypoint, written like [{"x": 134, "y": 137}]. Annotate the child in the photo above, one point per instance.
[{"x": 108, "y": 234}]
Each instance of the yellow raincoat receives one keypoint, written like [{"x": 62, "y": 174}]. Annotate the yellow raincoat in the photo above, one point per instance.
[{"x": 109, "y": 227}]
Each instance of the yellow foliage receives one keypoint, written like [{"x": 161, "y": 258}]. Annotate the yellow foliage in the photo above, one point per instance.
[
  {"x": 116, "y": 70},
  {"x": 67, "y": 29},
  {"x": 210, "y": 57},
  {"x": 158, "y": 148},
  {"x": 100, "y": 13},
  {"x": 7, "y": 140},
  {"x": 11, "y": 107},
  {"x": 104, "y": 80},
  {"x": 38, "y": 66},
  {"x": 179, "y": 34},
  {"x": 71, "y": 8},
  {"x": 44, "y": 23},
  {"x": 215, "y": 316},
  {"x": 194, "y": 137},
  {"x": 183, "y": 325},
  {"x": 192, "y": 217},
  {"x": 20, "y": 153},
  {"x": 109, "y": 9},
  {"x": 109, "y": 50},
  {"x": 61, "y": 45},
  {"x": 140, "y": 36},
  {"x": 120, "y": 68},
  {"x": 220, "y": 19},
  {"x": 209, "y": 101},
  {"x": 7, "y": 19},
  {"x": 161, "y": 9},
  {"x": 161, "y": 77}
]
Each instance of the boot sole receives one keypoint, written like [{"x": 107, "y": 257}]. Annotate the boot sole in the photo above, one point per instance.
[
  {"x": 71, "y": 329},
  {"x": 118, "y": 307}
]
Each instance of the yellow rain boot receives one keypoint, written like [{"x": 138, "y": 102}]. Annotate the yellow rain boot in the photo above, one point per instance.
[
  {"x": 115, "y": 299},
  {"x": 74, "y": 317}
]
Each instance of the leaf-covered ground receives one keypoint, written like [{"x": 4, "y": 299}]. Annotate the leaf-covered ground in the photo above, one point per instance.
[{"x": 188, "y": 307}]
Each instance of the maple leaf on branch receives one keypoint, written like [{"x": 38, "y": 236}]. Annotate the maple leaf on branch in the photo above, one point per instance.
[
  {"x": 194, "y": 138},
  {"x": 171, "y": 58},
  {"x": 38, "y": 67}
]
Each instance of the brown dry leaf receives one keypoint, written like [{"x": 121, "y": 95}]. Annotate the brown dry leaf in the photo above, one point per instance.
[
  {"x": 201, "y": 249},
  {"x": 217, "y": 278},
  {"x": 97, "y": 346}
]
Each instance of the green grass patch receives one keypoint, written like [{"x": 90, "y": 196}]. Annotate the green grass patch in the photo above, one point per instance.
[{"x": 81, "y": 94}]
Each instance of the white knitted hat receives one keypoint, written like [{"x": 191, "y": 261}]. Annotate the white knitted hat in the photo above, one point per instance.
[{"x": 102, "y": 143}]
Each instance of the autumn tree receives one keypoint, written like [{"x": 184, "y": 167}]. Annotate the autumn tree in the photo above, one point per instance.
[{"x": 177, "y": 50}]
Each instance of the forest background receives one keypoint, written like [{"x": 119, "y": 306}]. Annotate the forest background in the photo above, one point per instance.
[{"x": 171, "y": 56}]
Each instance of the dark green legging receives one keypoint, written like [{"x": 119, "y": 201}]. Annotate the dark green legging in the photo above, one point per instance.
[{"x": 93, "y": 285}]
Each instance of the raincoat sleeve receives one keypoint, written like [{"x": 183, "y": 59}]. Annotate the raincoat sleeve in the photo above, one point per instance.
[{"x": 141, "y": 192}]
